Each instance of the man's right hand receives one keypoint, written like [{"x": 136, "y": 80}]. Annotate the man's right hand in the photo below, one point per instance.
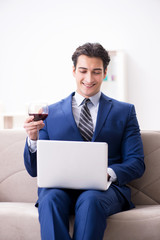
[{"x": 32, "y": 127}]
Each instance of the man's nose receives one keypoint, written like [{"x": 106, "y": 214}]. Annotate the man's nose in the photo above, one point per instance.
[{"x": 89, "y": 77}]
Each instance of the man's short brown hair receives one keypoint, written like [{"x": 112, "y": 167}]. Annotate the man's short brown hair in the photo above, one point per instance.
[{"x": 92, "y": 50}]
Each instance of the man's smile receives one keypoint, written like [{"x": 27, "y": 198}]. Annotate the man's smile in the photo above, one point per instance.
[{"x": 88, "y": 85}]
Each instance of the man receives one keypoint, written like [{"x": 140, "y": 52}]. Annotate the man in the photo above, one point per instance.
[{"x": 110, "y": 121}]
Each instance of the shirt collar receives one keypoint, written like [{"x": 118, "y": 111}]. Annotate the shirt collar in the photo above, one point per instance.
[{"x": 94, "y": 99}]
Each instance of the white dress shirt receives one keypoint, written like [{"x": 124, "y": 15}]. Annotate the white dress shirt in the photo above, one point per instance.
[{"x": 93, "y": 105}]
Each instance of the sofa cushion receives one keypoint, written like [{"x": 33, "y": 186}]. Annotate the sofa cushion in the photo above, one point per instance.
[
  {"x": 140, "y": 223},
  {"x": 19, "y": 221}
]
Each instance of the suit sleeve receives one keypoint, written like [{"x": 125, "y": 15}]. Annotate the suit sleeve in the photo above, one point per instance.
[
  {"x": 30, "y": 159},
  {"x": 132, "y": 165}
]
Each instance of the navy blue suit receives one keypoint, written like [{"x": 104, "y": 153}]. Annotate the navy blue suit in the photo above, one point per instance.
[{"x": 117, "y": 125}]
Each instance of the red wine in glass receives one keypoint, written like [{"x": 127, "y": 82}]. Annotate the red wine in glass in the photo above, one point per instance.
[{"x": 39, "y": 116}]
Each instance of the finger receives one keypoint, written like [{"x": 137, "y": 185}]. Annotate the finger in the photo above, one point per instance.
[
  {"x": 29, "y": 125},
  {"x": 29, "y": 122},
  {"x": 40, "y": 126},
  {"x": 29, "y": 119},
  {"x": 34, "y": 125}
]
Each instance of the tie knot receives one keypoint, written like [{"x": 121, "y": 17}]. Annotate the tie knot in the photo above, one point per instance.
[{"x": 86, "y": 100}]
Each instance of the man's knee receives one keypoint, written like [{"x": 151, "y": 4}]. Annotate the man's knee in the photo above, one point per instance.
[
  {"x": 88, "y": 199},
  {"x": 53, "y": 198}
]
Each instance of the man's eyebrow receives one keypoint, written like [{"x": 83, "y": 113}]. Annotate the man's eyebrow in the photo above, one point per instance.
[
  {"x": 82, "y": 68},
  {"x": 99, "y": 69},
  {"x": 95, "y": 69}
]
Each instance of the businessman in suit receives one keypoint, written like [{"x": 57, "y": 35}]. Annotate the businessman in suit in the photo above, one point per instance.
[{"x": 113, "y": 122}]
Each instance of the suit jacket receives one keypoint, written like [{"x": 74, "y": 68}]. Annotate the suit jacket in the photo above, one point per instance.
[{"x": 116, "y": 124}]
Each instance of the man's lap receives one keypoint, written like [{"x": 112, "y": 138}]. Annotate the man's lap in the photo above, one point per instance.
[{"x": 111, "y": 200}]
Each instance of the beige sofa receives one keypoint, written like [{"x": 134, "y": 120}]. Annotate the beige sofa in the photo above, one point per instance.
[{"x": 18, "y": 193}]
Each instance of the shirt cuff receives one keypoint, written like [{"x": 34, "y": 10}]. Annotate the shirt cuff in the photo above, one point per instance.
[
  {"x": 32, "y": 145},
  {"x": 113, "y": 176}
]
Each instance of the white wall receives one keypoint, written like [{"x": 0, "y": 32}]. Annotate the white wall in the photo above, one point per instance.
[{"x": 38, "y": 37}]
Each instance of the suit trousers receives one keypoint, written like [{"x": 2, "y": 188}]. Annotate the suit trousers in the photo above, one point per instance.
[{"x": 91, "y": 209}]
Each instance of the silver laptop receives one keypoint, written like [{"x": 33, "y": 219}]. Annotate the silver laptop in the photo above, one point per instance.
[{"x": 72, "y": 164}]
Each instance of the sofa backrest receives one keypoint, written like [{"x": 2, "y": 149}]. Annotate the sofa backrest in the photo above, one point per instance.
[
  {"x": 146, "y": 190},
  {"x": 15, "y": 183},
  {"x": 17, "y": 186}
]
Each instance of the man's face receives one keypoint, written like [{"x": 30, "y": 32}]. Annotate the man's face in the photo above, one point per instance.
[{"x": 89, "y": 74}]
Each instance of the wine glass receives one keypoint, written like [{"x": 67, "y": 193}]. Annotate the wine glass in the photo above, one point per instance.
[{"x": 40, "y": 112}]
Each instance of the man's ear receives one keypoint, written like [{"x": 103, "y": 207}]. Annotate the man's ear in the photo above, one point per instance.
[
  {"x": 105, "y": 73},
  {"x": 74, "y": 71}
]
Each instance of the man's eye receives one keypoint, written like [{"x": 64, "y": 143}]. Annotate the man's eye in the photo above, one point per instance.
[
  {"x": 97, "y": 73},
  {"x": 82, "y": 71}
]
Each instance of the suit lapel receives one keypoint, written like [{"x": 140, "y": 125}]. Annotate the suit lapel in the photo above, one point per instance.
[
  {"x": 66, "y": 105},
  {"x": 105, "y": 105}
]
